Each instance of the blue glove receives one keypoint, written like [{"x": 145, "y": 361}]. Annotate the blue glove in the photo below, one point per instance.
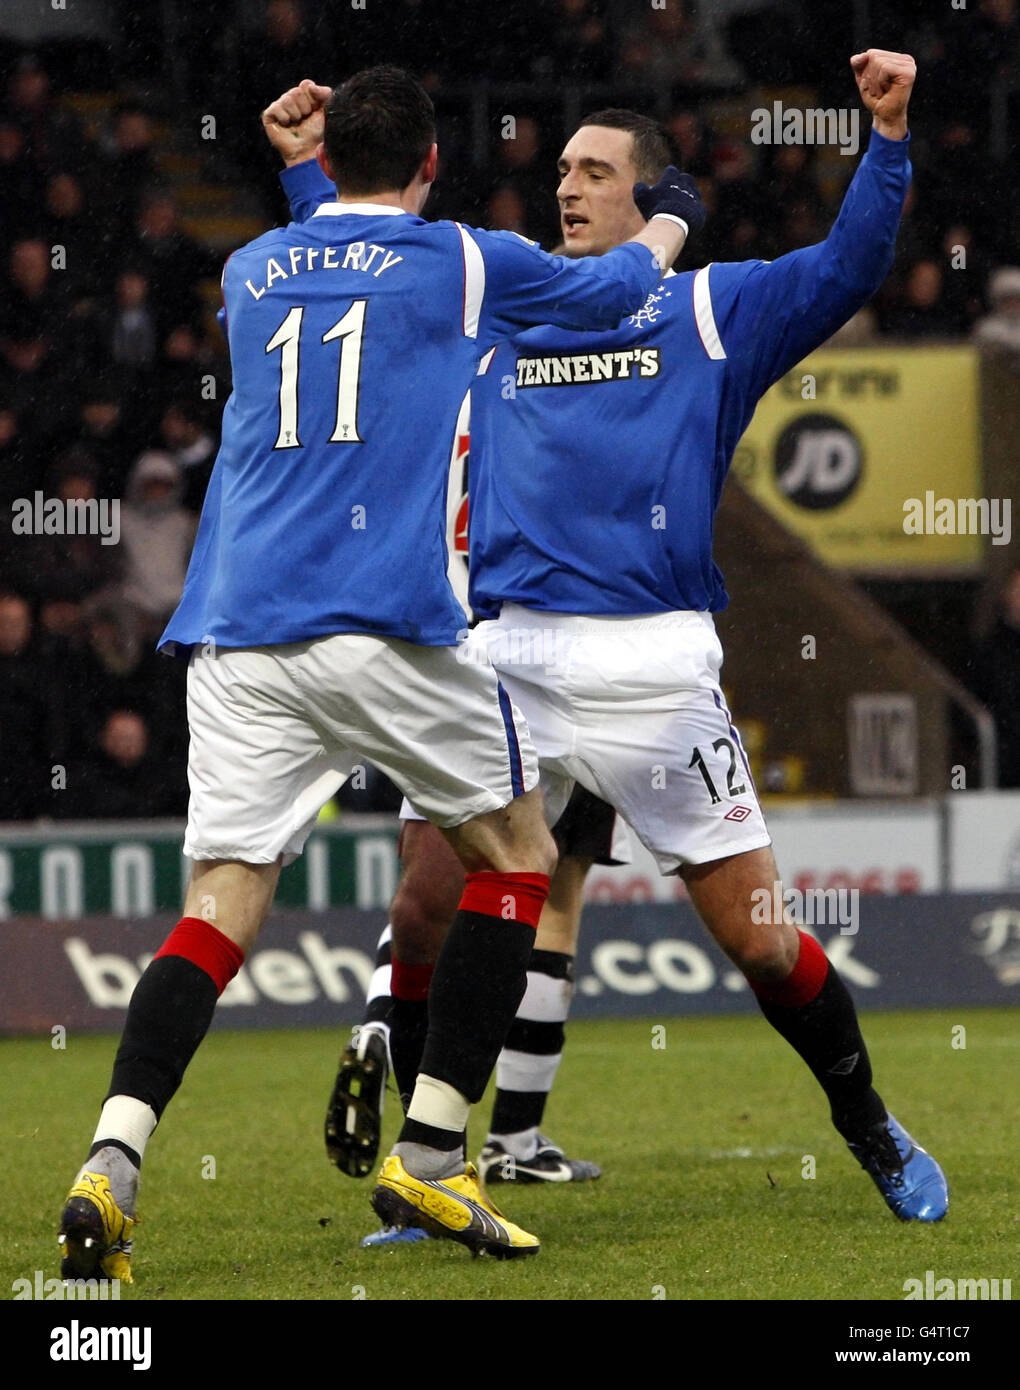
[{"x": 675, "y": 196}]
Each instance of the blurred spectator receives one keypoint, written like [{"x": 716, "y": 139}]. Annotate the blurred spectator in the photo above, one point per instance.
[
  {"x": 173, "y": 261},
  {"x": 188, "y": 361},
  {"x": 20, "y": 180},
  {"x": 915, "y": 237},
  {"x": 13, "y": 461},
  {"x": 156, "y": 536},
  {"x": 53, "y": 138},
  {"x": 958, "y": 175},
  {"x": 36, "y": 338},
  {"x": 281, "y": 55},
  {"x": 791, "y": 177},
  {"x": 922, "y": 312},
  {"x": 694, "y": 141},
  {"x": 742, "y": 214},
  {"x": 997, "y": 679},
  {"x": 523, "y": 169},
  {"x": 763, "y": 42},
  {"x": 60, "y": 571},
  {"x": 132, "y": 324},
  {"x": 29, "y": 714},
  {"x": 68, "y": 222},
  {"x": 122, "y": 779},
  {"x": 129, "y": 165},
  {"x": 113, "y": 665},
  {"x": 980, "y": 52},
  {"x": 579, "y": 44},
  {"x": 192, "y": 447},
  {"x": 34, "y": 300},
  {"x": 505, "y": 212},
  {"x": 678, "y": 46},
  {"x": 269, "y": 60},
  {"x": 104, "y": 431},
  {"x": 999, "y": 331},
  {"x": 966, "y": 271}
]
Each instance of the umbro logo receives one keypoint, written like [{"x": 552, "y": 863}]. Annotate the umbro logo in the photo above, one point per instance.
[
  {"x": 845, "y": 1066},
  {"x": 738, "y": 813}
]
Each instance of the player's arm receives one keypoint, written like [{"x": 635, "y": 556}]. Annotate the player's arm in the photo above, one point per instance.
[
  {"x": 770, "y": 315},
  {"x": 294, "y": 125}
]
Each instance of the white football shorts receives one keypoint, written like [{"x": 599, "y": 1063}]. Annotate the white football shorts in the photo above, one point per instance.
[
  {"x": 276, "y": 730},
  {"x": 632, "y": 709},
  {"x": 586, "y": 827}
]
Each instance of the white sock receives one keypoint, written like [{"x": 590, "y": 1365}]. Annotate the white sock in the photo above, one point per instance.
[
  {"x": 436, "y": 1103},
  {"x": 523, "y": 1145},
  {"x": 127, "y": 1119}
]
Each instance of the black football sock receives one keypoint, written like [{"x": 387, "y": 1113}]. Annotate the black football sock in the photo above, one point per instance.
[
  {"x": 170, "y": 1012},
  {"x": 409, "y": 1025},
  {"x": 812, "y": 1009},
  {"x": 409, "y": 985},
  {"x": 478, "y": 983},
  {"x": 532, "y": 1053}
]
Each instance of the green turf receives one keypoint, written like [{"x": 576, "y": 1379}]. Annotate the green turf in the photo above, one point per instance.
[{"x": 680, "y": 1209}]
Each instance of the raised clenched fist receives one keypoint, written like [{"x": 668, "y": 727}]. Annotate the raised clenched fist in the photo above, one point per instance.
[
  {"x": 294, "y": 122},
  {"x": 885, "y": 80}
]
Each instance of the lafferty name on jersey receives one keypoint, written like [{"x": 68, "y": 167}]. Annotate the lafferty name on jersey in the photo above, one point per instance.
[
  {"x": 577, "y": 368},
  {"x": 358, "y": 255}
]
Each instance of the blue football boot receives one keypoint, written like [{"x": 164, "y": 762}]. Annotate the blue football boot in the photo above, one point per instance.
[
  {"x": 395, "y": 1235},
  {"x": 912, "y": 1183}
]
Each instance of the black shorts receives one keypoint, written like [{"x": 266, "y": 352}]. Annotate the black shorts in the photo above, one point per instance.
[{"x": 585, "y": 828}]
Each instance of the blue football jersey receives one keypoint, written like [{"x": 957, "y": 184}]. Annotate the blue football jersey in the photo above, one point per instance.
[
  {"x": 353, "y": 340},
  {"x": 598, "y": 460}
]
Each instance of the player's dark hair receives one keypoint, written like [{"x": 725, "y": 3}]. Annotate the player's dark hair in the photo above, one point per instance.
[
  {"x": 379, "y": 126},
  {"x": 652, "y": 148}
]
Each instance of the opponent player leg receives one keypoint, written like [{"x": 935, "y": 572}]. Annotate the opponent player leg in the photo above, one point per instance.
[
  {"x": 258, "y": 778},
  {"x": 515, "y": 1149},
  {"x": 396, "y": 1012}
]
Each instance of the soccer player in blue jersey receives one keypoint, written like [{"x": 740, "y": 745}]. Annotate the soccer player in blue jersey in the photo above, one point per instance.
[
  {"x": 597, "y": 466},
  {"x": 321, "y": 630}
]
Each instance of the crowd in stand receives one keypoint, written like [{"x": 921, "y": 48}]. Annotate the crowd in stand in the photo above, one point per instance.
[{"x": 113, "y": 377}]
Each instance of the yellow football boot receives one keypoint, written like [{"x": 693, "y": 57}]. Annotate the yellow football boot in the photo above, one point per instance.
[
  {"x": 456, "y": 1208},
  {"x": 95, "y": 1228}
]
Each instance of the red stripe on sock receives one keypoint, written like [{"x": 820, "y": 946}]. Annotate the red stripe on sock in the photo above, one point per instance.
[
  {"x": 205, "y": 946},
  {"x": 804, "y": 981},
  {"x": 410, "y": 982},
  {"x": 514, "y": 897}
]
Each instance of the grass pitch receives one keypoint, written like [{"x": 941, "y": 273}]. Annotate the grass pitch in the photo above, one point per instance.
[{"x": 705, "y": 1143}]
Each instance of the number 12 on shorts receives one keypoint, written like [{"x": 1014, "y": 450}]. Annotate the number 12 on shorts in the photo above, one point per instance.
[{"x": 698, "y": 761}]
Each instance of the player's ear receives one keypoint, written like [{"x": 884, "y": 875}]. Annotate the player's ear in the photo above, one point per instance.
[
  {"x": 431, "y": 164},
  {"x": 324, "y": 164}
]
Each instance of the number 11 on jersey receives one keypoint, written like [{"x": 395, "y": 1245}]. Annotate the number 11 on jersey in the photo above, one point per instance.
[{"x": 287, "y": 339}]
